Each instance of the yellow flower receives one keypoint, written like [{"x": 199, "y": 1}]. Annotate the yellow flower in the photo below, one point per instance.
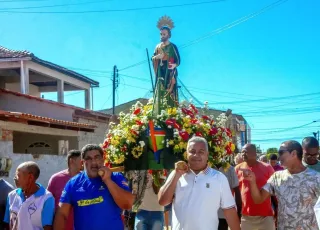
[
  {"x": 171, "y": 142},
  {"x": 233, "y": 147},
  {"x": 172, "y": 111}
]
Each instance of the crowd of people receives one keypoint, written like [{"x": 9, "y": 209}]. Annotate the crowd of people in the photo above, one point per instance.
[{"x": 253, "y": 194}]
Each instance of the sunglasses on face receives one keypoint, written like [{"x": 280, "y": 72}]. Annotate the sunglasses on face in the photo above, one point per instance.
[{"x": 282, "y": 151}]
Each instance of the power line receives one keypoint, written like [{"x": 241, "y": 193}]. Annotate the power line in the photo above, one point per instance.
[
  {"x": 114, "y": 10},
  {"x": 219, "y": 30},
  {"x": 52, "y": 6},
  {"x": 11, "y": 1}
]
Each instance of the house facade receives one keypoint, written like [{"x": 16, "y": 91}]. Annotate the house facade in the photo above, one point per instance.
[{"x": 40, "y": 130}]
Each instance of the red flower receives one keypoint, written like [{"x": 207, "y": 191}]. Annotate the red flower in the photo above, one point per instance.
[
  {"x": 194, "y": 121},
  {"x": 170, "y": 122},
  {"x": 150, "y": 171},
  {"x": 204, "y": 117},
  {"x": 177, "y": 126},
  {"x": 139, "y": 123},
  {"x": 184, "y": 135},
  {"x": 165, "y": 172},
  {"x": 105, "y": 145},
  {"x": 109, "y": 165},
  {"x": 124, "y": 149},
  {"x": 137, "y": 111},
  {"x": 213, "y": 131},
  {"x": 187, "y": 112},
  {"x": 228, "y": 131},
  {"x": 228, "y": 149},
  {"x": 199, "y": 134},
  {"x": 194, "y": 108},
  {"x": 134, "y": 132}
]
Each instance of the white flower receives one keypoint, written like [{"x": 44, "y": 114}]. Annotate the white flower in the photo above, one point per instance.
[
  {"x": 169, "y": 127},
  {"x": 135, "y": 127},
  {"x": 127, "y": 141},
  {"x": 142, "y": 144}
]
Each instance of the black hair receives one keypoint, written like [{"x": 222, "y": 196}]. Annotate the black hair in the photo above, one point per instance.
[
  {"x": 274, "y": 157},
  {"x": 310, "y": 142},
  {"x": 167, "y": 29},
  {"x": 90, "y": 147},
  {"x": 31, "y": 167},
  {"x": 294, "y": 145},
  {"x": 73, "y": 154}
]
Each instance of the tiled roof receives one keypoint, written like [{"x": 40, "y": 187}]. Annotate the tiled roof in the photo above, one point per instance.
[
  {"x": 100, "y": 114},
  {"x": 8, "y": 53},
  {"x": 43, "y": 121}
]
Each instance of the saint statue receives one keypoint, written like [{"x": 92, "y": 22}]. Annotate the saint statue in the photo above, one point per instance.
[{"x": 165, "y": 60}]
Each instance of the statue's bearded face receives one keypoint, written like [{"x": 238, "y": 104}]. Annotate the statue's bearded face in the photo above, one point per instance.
[{"x": 164, "y": 35}]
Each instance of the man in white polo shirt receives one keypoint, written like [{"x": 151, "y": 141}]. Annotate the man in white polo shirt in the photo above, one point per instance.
[
  {"x": 197, "y": 192},
  {"x": 30, "y": 207}
]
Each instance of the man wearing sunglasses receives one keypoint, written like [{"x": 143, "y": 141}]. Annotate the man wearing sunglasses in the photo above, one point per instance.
[
  {"x": 297, "y": 189},
  {"x": 310, "y": 146},
  {"x": 97, "y": 201}
]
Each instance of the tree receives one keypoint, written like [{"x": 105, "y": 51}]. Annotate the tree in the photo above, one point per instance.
[{"x": 271, "y": 151}]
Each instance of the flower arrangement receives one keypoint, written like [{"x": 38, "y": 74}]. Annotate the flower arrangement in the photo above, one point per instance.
[{"x": 184, "y": 121}]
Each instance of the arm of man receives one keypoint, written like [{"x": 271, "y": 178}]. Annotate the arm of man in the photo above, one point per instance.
[
  {"x": 166, "y": 192},
  {"x": 119, "y": 189},
  {"x": 228, "y": 205},
  {"x": 232, "y": 218},
  {"x": 47, "y": 214},
  {"x": 257, "y": 195},
  {"x": 64, "y": 208},
  {"x": 234, "y": 183}
]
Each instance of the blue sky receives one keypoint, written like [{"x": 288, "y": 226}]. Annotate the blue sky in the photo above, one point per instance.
[{"x": 275, "y": 54}]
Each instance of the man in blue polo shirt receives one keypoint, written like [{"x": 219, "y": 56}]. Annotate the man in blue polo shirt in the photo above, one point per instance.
[
  {"x": 97, "y": 201},
  {"x": 31, "y": 206}
]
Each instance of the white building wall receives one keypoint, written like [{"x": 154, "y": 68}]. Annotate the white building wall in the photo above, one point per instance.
[{"x": 49, "y": 164}]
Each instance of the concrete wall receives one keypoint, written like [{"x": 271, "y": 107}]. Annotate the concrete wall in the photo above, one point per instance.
[
  {"x": 10, "y": 102},
  {"x": 49, "y": 164},
  {"x": 33, "y": 90},
  {"x": 92, "y": 138},
  {"x": 21, "y": 141}
]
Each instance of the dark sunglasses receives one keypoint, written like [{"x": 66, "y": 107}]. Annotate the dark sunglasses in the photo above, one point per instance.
[{"x": 282, "y": 151}]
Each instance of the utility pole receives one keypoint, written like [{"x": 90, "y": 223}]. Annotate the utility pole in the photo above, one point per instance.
[{"x": 115, "y": 84}]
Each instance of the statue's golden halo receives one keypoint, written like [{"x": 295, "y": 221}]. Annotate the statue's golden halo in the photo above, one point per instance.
[{"x": 165, "y": 21}]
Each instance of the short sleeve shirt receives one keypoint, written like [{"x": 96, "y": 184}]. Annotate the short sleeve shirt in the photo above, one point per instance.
[
  {"x": 198, "y": 198},
  {"x": 5, "y": 188},
  {"x": 56, "y": 185},
  {"x": 297, "y": 194},
  {"x": 232, "y": 177},
  {"x": 93, "y": 204},
  {"x": 315, "y": 167},
  {"x": 263, "y": 172}
]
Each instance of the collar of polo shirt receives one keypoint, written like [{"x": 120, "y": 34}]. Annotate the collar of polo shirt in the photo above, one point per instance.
[{"x": 205, "y": 171}]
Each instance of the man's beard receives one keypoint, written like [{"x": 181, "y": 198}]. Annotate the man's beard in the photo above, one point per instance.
[{"x": 164, "y": 39}]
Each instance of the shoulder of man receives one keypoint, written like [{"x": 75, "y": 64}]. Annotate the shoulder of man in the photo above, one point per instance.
[{"x": 6, "y": 186}]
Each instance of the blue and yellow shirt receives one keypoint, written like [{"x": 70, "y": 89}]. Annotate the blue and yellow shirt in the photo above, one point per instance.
[{"x": 93, "y": 205}]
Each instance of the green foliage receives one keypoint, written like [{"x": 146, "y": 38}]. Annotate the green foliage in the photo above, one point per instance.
[{"x": 271, "y": 151}]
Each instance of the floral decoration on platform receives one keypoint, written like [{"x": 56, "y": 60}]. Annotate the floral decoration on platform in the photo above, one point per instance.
[{"x": 185, "y": 121}]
